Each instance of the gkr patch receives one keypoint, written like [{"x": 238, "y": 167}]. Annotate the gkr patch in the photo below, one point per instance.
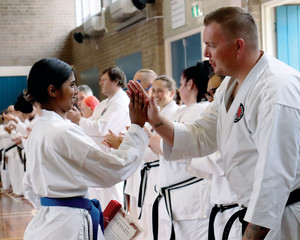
[{"x": 239, "y": 114}]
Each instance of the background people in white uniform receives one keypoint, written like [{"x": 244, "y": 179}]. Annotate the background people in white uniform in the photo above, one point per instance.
[
  {"x": 184, "y": 210},
  {"x": 131, "y": 190},
  {"x": 63, "y": 162},
  {"x": 88, "y": 106},
  {"x": 253, "y": 121},
  {"x": 221, "y": 195},
  {"x": 167, "y": 97},
  {"x": 111, "y": 114},
  {"x": 84, "y": 91}
]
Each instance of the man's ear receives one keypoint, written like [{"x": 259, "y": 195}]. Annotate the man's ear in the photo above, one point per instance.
[
  {"x": 51, "y": 91},
  {"x": 240, "y": 46}
]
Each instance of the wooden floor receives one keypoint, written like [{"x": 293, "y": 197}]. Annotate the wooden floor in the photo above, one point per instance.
[{"x": 15, "y": 214}]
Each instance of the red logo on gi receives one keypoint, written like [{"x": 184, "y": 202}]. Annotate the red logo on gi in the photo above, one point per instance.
[{"x": 239, "y": 114}]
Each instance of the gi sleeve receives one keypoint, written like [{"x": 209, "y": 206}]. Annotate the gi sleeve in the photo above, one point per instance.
[
  {"x": 120, "y": 164},
  {"x": 194, "y": 140}
]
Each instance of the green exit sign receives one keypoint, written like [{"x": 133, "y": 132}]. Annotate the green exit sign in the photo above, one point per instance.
[{"x": 196, "y": 11}]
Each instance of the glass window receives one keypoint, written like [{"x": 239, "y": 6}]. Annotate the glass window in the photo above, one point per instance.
[{"x": 85, "y": 9}]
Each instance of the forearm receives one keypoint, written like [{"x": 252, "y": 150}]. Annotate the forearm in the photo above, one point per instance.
[
  {"x": 255, "y": 232},
  {"x": 164, "y": 128},
  {"x": 154, "y": 144}
]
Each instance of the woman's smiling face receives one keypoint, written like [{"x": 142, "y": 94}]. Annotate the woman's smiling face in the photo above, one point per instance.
[
  {"x": 67, "y": 94},
  {"x": 162, "y": 95}
]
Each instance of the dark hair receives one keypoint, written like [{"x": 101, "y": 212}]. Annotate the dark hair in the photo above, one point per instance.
[
  {"x": 116, "y": 75},
  {"x": 23, "y": 105},
  {"x": 46, "y": 72},
  {"x": 199, "y": 74},
  {"x": 171, "y": 85},
  {"x": 237, "y": 22}
]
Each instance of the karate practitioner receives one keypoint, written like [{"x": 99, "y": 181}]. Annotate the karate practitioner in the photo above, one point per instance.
[
  {"x": 88, "y": 106},
  {"x": 184, "y": 200},
  {"x": 6, "y": 142},
  {"x": 84, "y": 91},
  {"x": 146, "y": 78},
  {"x": 112, "y": 113},
  {"x": 253, "y": 121},
  {"x": 221, "y": 195},
  {"x": 63, "y": 161}
]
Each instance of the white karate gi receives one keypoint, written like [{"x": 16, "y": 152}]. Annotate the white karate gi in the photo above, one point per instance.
[
  {"x": 190, "y": 204},
  {"x": 261, "y": 169},
  {"x": 212, "y": 169},
  {"x": 63, "y": 162},
  {"x": 169, "y": 111},
  {"x": 110, "y": 114},
  {"x": 5, "y": 143}
]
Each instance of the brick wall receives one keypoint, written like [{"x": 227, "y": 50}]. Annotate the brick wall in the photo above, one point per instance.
[
  {"x": 35, "y": 29},
  {"x": 145, "y": 36}
]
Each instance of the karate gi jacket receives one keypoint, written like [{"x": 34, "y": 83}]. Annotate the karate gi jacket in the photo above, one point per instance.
[
  {"x": 63, "y": 162},
  {"x": 258, "y": 138}
]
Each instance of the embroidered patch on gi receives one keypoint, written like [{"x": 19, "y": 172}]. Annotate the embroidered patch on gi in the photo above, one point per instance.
[{"x": 239, "y": 114}]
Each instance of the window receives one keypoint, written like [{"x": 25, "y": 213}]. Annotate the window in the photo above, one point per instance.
[{"x": 85, "y": 9}]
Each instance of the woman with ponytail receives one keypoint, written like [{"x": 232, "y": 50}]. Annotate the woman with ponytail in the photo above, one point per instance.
[{"x": 63, "y": 162}]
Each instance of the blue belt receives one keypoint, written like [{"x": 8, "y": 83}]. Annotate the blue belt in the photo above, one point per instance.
[{"x": 93, "y": 206}]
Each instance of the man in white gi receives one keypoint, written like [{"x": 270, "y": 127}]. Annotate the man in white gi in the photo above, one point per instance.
[
  {"x": 253, "y": 121},
  {"x": 84, "y": 91},
  {"x": 112, "y": 113}
]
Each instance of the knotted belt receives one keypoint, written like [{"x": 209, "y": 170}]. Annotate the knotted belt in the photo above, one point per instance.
[
  {"x": 5, "y": 151},
  {"x": 165, "y": 192},
  {"x": 293, "y": 198},
  {"x": 1, "y": 150},
  {"x": 215, "y": 210},
  {"x": 143, "y": 184},
  {"x": 22, "y": 157},
  {"x": 93, "y": 206}
]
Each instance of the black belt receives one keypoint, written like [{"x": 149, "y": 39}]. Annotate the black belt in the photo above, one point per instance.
[
  {"x": 5, "y": 151},
  {"x": 1, "y": 150},
  {"x": 215, "y": 210},
  {"x": 22, "y": 158},
  {"x": 143, "y": 184},
  {"x": 125, "y": 200},
  {"x": 165, "y": 192},
  {"x": 293, "y": 198},
  {"x": 239, "y": 214}
]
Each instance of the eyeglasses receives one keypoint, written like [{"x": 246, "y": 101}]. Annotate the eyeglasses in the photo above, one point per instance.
[{"x": 211, "y": 93}]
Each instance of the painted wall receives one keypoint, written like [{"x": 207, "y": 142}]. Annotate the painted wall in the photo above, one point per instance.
[{"x": 35, "y": 29}]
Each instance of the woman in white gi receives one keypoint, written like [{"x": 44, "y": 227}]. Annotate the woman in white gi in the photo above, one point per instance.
[
  {"x": 189, "y": 196},
  {"x": 221, "y": 195},
  {"x": 63, "y": 162},
  {"x": 167, "y": 97},
  {"x": 112, "y": 113}
]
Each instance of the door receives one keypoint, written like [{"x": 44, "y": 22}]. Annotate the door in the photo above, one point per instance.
[{"x": 288, "y": 34}]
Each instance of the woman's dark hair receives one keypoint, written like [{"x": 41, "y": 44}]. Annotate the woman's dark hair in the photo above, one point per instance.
[
  {"x": 46, "y": 72},
  {"x": 116, "y": 75},
  {"x": 199, "y": 74},
  {"x": 23, "y": 105}
]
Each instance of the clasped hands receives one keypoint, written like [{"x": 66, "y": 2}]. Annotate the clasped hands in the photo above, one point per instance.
[{"x": 142, "y": 108}]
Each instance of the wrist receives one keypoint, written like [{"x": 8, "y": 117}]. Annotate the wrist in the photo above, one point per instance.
[{"x": 156, "y": 122}]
